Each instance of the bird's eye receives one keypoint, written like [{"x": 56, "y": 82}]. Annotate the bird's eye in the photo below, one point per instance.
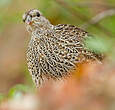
[
  {"x": 31, "y": 16},
  {"x": 23, "y": 20},
  {"x": 38, "y": 14}
]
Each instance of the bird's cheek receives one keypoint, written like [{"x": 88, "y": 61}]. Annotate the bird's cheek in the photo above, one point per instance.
[
  {"x": 29, "y": 20},
  {"x": 30, "y": 23}
]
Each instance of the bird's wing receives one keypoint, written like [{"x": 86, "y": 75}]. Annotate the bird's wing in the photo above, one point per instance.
[
  {"x": 75, "y": 37},
  {"x": 70, "y": 32}
]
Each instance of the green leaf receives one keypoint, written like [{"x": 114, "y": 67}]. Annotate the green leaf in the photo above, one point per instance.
[
  {"x": 99, "y": 44},
  {"x": 1, "y": 97},
  {"x": 17, "y": 90}
]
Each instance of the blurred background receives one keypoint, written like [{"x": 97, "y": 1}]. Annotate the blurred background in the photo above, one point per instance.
[{"x": 95, "y": 16}]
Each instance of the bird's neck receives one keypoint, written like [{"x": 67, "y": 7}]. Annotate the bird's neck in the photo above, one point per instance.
[{"x": 40, "y": 29}]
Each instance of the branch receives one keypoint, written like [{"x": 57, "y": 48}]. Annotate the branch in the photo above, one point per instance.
[
  {"x": 84, "y": 18},
  {"x": 99, "y": 17},
  {"x": 92, "y": 4},
  {"x": 72, "y": 11}
]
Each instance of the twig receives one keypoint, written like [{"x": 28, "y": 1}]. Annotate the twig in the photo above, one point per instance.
[
  {"x": 92, "y": 4},
  {"x": 72, "y": 11},
  {"x": 83, "y": 18},
  {"x": 96, "y": 19}
]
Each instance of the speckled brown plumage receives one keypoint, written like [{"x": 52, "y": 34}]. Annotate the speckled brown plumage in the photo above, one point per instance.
[{"x": 54, "y": 50}]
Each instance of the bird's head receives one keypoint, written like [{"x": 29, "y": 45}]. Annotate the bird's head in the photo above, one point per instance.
[{"x": 35, "y": 20}]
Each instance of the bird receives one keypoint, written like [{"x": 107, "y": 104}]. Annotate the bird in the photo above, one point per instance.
[{"x": 54, "y": 50}]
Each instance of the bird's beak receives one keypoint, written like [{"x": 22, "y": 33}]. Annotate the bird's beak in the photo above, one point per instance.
[
  {"x": 27, "y": 19},
  {"x": 30, "y": 23}
]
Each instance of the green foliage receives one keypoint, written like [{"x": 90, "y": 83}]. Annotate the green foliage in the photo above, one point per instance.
[
  {"x": 99, "y": 44},
  {"x": 1, "y": 97},
  {"x": 4, "y": 2},
  {"x": 18, "y": 90},
  {"x": 109, "y": 23},
  {"x": 1, "y": 23}
]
